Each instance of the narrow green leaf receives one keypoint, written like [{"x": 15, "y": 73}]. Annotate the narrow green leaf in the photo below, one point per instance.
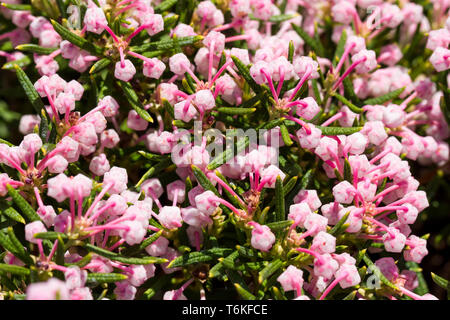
[
  {"x": 306, "y": 179},
  {"x": 198, "y": 257},
  {"x": 246, "y": 295},
  {"x": 23, "y": 205},
  {"x": 80, "y": 42},
  {"x": 282, "y": 17},
  {"x": 228, "y": 154},
  {"x": 378, "y": 273},
  {"x": 291, "y": 51},
  {"x": 279, "y": 202},
  {"x": 18, "y": 246},
  {"x": 133, "y": 99},
  {"x": 50, "y": 235},
  {"x": 236, "y": 111},
  {"x": 229, "y": 261},
  {"x": 285, "y": 135},
  {"x": 384, "y": 98},
  {"x": 100, "y": 65},
  {"x": 117, "y": 257},
  {"x": 315, "y": 45},
  {"x": 13, "y": 269},
  {"x": 164, "y": 45},
  {"x": 351, "y": 295},
  {"x": 350, "y": 105},
  {"x": 340, "y": 226},
  {"x": 280, "y": 225},
  {"x": 150, "y": 240},
  {"x": 349, "y": 91},
  {"x": 22, "y": 63},
  {"x": 35, "y": 100},
  {"x": 6, "y": 142},
  {"x": 348, "y": 175},
  {"x": 269, "y": 270},
  {"x": 17, "y": 7},
  {"x": 335, "y": 131},
  {"x": 13, "y": 215},
  {"x": 245, "y": 73},
  {"x": 165, "y": 5},
  {"x": 340, "y": 48},
  {"x": 234, "y": 201},
  {"x": 34, "y": 48},
  {"x": 105, "y": 277},
  {"x": 203, "y": 180},
  {"x": 441, "y": 282}
]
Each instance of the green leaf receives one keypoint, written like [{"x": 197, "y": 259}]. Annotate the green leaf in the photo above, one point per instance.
[
  {"x": 203, "y": 180},
  {"x": 165, "y": 5},
  {"x": 157, "y": 283},
  {"x": 340, "y": 48},
  {"x": 50, "y": 235},
  {"x": 6, "y": 142},
  {"x": 154, "y": 170},
  {"x": 423, "y": 287},
  {"x": 350, "y": 105},
  {"x": 351, "y": 295},
  {"x": 100, "y": 65},
  {"x": 313, "y": 43},
  {"x": 198, "y": 257},
  {"x": 291, "y": 51},
  {"x": 80, "y": 42},
  {"x": 151, "y": 156},
  {"x": 306, "y": 179},
  {"x": 83, "y": 261},
  {"x": 234, "y": 201},
  {"x": 236, "y": 111},
  {"x": 282, "y": 17},
  {"x": 133, "y": 99},
  {"x": 269, "y": 270},
  {"x": 23, "y": 205},
  {"x": 13, "y": 215},
  {"x": 25, "y": 61},
  {"x": 35, "y": 100},
  {"x": 244, "y": 71},
  {"x": 441, "y": 282},
  {"x": 348, "y": 175},
  {"x": 34, "y": 48},
  {"x": 279, "y": 200},
  {"x": 105, "y": 277},
  {"x": 228, "y": 154},
  {"x": 335, "y": 131},
  {"x": 170, "y": 44},
  {"x": 13, "y": 269},
  {"x": 18, "y": 7},
  {"x": 6, "y": 243},
  {"x": 18, "y": 246},
  {"x": 117, "y": 257},
  {"x": 150, "y": 240},
  {"x": 285, "y": 135},
  {"x": 246, "y": 295},
  {"x": 340, "y": 226},
  {"x": 349, "y": 91},
  {"x": 384, "y": 98},
  {"x": 378, "y": 273},
  {"x": 280, "y": 225},
  {"x": 229, "y": 261}
]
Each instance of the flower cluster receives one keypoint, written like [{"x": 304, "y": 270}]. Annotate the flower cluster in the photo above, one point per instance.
[{"x": 127, "y": 173}]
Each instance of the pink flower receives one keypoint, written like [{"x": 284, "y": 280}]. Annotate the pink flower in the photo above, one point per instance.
[
  {"x": 291, "y": 279},
  {"x": 53, "y": 289},
  {"x": 262, "y": 237},
  {"x": 32, "y": 228},
  {"x": 124, "y": 71}
]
